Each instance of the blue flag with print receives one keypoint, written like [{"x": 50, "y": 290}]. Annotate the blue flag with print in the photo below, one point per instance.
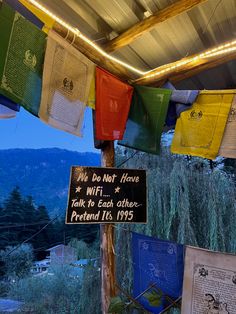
[
  {"x": 8, "y": 103},
  {"x": 157, "y": 262},
  {"x": 16, "y": 5}
]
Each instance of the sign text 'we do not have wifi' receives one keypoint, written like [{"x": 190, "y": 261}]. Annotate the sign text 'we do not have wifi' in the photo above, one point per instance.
[{"x": 106, "y": 195}]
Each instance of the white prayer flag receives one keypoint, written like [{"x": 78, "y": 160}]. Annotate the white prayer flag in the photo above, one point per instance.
[
  {"x": 67, "y": 77},
  {"x": 209, "y": 282}
]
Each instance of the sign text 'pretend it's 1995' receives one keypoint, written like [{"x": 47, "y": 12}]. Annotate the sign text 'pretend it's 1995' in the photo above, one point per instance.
[{"x": 106, "y": 195}]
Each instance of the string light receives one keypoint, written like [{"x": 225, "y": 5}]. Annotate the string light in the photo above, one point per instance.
[
  {"x": 88, "y": 41},
  {"x": 222, "y": 49}
]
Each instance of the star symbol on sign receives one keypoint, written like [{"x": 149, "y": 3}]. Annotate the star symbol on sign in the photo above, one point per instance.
[
  {"x": 78, "y": 189},
  {"x": 117, "y": 189}
]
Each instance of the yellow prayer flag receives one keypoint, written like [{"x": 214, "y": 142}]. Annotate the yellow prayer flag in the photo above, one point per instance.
[
  {"x": 47, "y": 20},
  {"x": 199, "y": 130},
  {"x": 92, "y": 94}
]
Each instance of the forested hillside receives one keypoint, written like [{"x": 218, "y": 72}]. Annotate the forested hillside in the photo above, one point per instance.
[{"x": 41, "y": 173}]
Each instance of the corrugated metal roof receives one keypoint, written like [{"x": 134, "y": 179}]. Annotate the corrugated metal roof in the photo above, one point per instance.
[{"x": 204, "y": 26}]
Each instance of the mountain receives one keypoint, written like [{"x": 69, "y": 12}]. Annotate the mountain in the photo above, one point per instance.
[{"x": 42, "y": 173}]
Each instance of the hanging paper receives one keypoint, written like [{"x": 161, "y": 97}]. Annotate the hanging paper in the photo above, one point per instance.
[
  {"x": 6, "y": 113},
  {"x": 113, "y": 99},
  {"x": 9, "y": 104},
  {"x": 160, "y": 262},
  {"x": 16, "y": 5},
  {"x": 199, "y": 130},
  {"x": 43, "y": 16},
  {"x": 228, "y": 144},
  {"x": 67, "y": 77},
  {"x": 209, "y": 282},
  {"x": 146, "y": 119},
  {"x": 21, "y": 59}
]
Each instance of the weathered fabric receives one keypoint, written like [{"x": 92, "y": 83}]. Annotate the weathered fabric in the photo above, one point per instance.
[
  {"x": 21, "y": 59},
  {"x": 184, "y": 96},
  {"x": 228, "y": 144},
  {"x": 41, "y": 15},
  {"x": 160, "y": 262},
  {"x": 92, "y": 93},
  {"x": 16, "y": 5},
  {"x": 113, "y": 99},
  {"x": 209, "y": 282},
  {"x": 199, "y": 130},
  {"x": 180, "y": 101},
  {"x": 67, "y": 77},
  {"x": 146, "y": 119},
  {"x": 8, "y": 103}
]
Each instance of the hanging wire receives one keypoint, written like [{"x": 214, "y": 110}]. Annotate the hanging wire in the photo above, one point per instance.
[
  {"x": 123, "y": 162},
  {"x": 33, "y": 236},
  {"x": 212, "y": 15}
]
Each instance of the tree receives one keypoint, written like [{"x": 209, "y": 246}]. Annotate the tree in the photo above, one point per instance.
[
  {"x": 11, "y": 214},
  {"x": 17, "y": 260}
]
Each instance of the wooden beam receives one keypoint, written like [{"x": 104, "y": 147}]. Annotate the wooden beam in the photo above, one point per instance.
[
  {"x": 185, "y": 71},
  {"x": 92, "y": 54},
  {"x": 108, "y": 289},
  {"x": 147, "y": 24}
]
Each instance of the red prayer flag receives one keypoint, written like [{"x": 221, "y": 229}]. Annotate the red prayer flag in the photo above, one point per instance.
[{"x": 113, "y": 99}]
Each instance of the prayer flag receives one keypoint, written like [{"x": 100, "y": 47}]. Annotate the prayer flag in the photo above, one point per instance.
[
  {"x": 209, "y": 282},
  {"x": 92, "y": 93},
  {"x": 21, "y": 59},
  {"x": 228, "y": 144},
  {"x": 180, "y": 100},
  {"x": 98, "y": 144},
  {"x": 199, "y": 130},
  {"x": 146, "y": 119},
  {"x": 113, "y": 99},
  {"x": 184, "y": 96},
  {"x": 16, "y": 5},
  {"x": 8, "y": 103},
  {"x": 6, "y": 113},
  {"x": 44, "y": 17},
  {"x": 160, "y": 262},
  {"x": 67, "y": 77}
]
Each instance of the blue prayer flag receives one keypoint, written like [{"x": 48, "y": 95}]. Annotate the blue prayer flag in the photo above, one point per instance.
[
  {"x": 16, "y": 5},
  {"x": 160, "y": 262},
  {"x": 9, "y": 103}
]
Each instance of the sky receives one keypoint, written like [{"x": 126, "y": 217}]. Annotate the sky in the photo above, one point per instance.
[{"x": 27, "y": 131}]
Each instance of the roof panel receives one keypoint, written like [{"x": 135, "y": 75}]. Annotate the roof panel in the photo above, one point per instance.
[{"x": 206, "y": 25}]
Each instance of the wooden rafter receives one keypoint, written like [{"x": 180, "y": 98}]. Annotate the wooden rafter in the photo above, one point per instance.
[
  {"x": 92, "y": 54},
  {"x": 185, "y": 71},
  {"x": 175, "y": 74},
  {"x": 147, "y": 24}
]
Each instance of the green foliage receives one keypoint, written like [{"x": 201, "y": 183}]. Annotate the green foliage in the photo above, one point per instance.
[
  {"x": 154, "y": 298},
  {"x": 117, "y": 305},
  {"x": 58, "y": 292},
  {"x": 17, "y": 260},
  {"x": 189, "y": 202},
  {"x": 90, "y": 293},
  {"x": 85, "y": 250}
]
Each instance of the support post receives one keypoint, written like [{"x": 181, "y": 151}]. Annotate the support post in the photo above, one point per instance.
[{"x": 108, "y": 288}]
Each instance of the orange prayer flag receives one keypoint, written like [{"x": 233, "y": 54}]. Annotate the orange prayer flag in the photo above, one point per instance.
[{"x": 113, "y": 98}]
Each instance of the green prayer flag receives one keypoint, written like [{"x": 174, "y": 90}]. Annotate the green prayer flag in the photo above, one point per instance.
[
  {"x": 146, "y": 119},
  {"x": 21, "y": 59}
]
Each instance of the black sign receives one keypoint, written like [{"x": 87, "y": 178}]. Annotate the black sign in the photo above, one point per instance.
[{"x": 106, "y": 195}]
